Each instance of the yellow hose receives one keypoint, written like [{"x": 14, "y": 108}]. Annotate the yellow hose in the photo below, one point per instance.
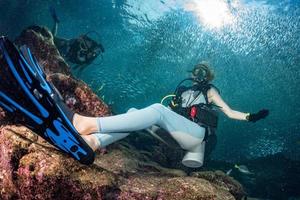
[{"x": 163, "y": 99}]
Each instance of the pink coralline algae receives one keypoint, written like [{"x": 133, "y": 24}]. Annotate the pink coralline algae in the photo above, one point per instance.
[
  {"x": 6, "y": 176},
  {"x": 71, "y": 101}
]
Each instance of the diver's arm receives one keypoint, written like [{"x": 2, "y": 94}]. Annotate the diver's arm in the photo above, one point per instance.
[{"x": 213, "y": 96}]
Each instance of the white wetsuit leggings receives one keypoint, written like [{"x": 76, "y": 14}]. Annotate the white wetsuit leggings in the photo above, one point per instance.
[{"x": 114, "y": 128}]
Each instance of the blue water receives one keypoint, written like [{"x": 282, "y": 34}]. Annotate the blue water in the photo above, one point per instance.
[{"x": 254, "y": 49}]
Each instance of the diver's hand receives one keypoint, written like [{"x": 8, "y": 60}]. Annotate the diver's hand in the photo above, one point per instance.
[{"x": 253, "y": 117}]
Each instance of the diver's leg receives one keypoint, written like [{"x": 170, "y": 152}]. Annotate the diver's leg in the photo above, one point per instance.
[
  {"x": 114, "y": 128},
  {"x": 85, "y": 125},
  {"x": 155, "y": 114},
  {"x": 130, "y": 121},
  {"x": 92, "y": 141},
  {"x": 101, "y": 140}
]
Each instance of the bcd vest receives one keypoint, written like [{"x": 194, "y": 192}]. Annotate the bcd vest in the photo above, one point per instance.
[{"x": 192, "y": 103}]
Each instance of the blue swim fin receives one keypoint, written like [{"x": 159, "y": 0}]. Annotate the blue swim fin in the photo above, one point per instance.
[{"x": 26, "y": 94}]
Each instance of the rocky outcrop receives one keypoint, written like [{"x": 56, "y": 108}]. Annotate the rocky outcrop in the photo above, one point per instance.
[
  {"x": 222, "y": 182},
  {"x": 33, "y": 169},
  {"x": 41, "y": 43}
]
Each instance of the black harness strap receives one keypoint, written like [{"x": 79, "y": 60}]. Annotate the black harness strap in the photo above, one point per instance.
[{"x": 202, "y": 87}]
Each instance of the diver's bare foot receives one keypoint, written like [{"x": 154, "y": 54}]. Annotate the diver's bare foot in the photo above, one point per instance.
[
  {"x": 92, "y": 141},
  {"x": 85, "y": 125}
]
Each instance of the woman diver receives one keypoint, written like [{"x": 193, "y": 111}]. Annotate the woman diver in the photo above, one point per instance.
[{"x": 190, "y": 118}]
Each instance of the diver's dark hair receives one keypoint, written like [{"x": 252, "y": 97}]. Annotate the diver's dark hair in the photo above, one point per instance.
[{"x": 203, "y": 71}]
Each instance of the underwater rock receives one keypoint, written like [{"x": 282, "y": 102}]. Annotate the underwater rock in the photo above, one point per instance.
[
  {"x": 30, "y": 168},
  {"x": 128, "y": 160},
  {"x": 35, "y": 169},
  {"x": 157, "y": 187},
  {"x": 14, "y": 143},
  {"x": 40, "y": 41},
  {"x": 224, "y": 182},
  {"x": 78, "y": 96}
]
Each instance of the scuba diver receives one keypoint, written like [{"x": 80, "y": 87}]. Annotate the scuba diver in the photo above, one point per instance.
[
  {"x": 191, "y": 118},
  {"x": 81, "y": 51},
  {"x": 26, "y": 94}
]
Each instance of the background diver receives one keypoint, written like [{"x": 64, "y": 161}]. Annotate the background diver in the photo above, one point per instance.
[
  {"x": 190, "y": 119},
  {"x": 81, "y": 51}
]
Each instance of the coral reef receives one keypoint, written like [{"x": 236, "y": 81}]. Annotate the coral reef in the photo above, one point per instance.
[{"x": 33, "y": 169}]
